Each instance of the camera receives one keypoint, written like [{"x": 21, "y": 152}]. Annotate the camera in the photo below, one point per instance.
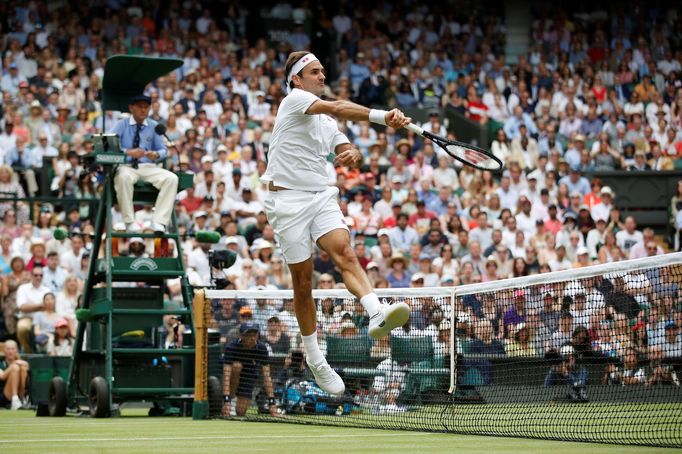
[{"x": 220, "y": 259}]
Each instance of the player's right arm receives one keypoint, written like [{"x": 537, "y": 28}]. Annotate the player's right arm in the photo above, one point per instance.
[{"x": 349, "y": 111}]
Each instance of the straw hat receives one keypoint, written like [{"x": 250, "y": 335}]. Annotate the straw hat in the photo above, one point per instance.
[{"x": 397, "y": 257}]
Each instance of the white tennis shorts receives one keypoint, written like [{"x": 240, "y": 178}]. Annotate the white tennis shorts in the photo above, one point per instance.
[{"x": 300, "y": 218}]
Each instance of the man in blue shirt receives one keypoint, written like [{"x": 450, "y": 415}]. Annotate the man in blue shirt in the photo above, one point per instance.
[
  {"x": 25, "y": 163},
  {"x": 144, "y": 148}
]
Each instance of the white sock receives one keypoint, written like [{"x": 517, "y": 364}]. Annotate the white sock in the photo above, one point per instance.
[
  {"x": 371, "y": 303},
  {"x": 312, "y": 349}
]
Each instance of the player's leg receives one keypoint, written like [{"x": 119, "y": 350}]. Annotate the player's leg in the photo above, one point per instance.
[
  {"x": 124, "y": 182},
  {"x": 167, "y": 184},
  {"x": 290, "y": 213},
  {"x": 304, "y": 306},
  {"x": 331, "y": 234},
  {"x": 306, "y": 314}
]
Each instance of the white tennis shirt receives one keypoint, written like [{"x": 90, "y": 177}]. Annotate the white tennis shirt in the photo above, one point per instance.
[{"x": 300, "y": 144}]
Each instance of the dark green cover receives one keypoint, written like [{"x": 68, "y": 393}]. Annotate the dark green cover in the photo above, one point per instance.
[{"x": 127, "y": 75}]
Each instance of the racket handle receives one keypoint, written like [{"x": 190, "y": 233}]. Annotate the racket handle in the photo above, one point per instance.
[{"x": 414, "y": 128}]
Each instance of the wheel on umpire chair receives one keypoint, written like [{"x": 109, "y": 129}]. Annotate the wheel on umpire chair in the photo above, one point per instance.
[
  {"x": 99, "y": 398},
  {"x": 215, "y": 396},
  {"x": 56, "y": 399}
]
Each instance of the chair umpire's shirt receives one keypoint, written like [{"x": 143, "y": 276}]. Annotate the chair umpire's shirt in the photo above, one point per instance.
[
  {"x": 149, "y": 139},
  {"x": 252, "y": 359},
  {"x": 300, "y": 144}
]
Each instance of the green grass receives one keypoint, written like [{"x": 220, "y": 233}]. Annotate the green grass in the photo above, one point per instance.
[{"x": 22, "y": 432}]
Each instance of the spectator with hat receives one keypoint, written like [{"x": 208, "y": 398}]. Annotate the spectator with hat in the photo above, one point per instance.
[
  {"x": 143, "y": 147},
  {"x": 245, "y": 360},
  {"x": 61, "y": 344},
  {"x": 398, "y": 275}
]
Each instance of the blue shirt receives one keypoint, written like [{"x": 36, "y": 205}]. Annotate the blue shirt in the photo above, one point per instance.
[
  {"x": 511, "y": 126},
  {"x": 26, "y": 159},
  {"x": 149, "y": 140}
]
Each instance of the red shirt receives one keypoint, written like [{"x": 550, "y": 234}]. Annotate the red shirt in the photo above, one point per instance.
[
  {"x": 553, "y": 225},
  {"x": 477, "y": 110},
  {"x": 32, "y": 263},
  {"x": 191, "y": 204}
]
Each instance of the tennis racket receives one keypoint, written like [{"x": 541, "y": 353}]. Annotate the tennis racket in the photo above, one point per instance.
[{"x": 465, "y": 153}]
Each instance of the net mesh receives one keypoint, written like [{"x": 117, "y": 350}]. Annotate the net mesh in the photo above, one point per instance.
[{"x": 586, "y": 355}]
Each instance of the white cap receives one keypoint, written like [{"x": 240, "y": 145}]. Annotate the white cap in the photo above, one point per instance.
[
  {"x": 417, "y": 276},
  {"x": 231, "y": 240},
  {"x": 382, "y": 232},
  {"x": 200, "y": 213},
  {"x": 207, "y": 159}
]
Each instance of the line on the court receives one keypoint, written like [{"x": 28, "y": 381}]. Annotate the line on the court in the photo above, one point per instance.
[{"x": 210, "y": 437}]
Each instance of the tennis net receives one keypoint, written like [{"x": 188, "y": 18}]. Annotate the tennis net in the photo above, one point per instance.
[{"x": 585, "y": 355}]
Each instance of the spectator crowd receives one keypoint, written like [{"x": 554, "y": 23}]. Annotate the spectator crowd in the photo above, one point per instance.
[{"x": 594, "y": 92}]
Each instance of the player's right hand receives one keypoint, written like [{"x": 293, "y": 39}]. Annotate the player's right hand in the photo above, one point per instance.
[{"x": 396, "y": 119}]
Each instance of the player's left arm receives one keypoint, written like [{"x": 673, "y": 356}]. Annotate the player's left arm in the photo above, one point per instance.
[{"x": 349, "y": 111}]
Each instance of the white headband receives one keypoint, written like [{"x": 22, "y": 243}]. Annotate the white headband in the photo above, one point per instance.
[{"x": 298, "y": 66}]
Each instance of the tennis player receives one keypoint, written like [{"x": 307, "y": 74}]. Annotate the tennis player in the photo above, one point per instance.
[{"x": 302, "y": 208}]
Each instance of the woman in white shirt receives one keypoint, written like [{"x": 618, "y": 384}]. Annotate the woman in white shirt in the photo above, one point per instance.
[
  {"x": 500, "y": 146},
  {"x": 446, "y": 264},
  {"x": 444, "y": 175}
]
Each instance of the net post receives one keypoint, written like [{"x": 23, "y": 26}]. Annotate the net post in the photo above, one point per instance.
[{"x": 200, "y": 405}]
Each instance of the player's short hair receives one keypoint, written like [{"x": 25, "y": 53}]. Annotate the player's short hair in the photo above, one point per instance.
[{"x": 291, "y": 61}]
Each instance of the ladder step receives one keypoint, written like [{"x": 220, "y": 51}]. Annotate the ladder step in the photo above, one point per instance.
[
  {"x": 172, "y": 236},
  {"x": 138, "y": 276},
  {"x": 151, "y": 391},
  {"x": 151, "y": 311},
  {"x": 153, "y": 351}
]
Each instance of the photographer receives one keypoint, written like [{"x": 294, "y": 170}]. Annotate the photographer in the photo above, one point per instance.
[
  {"x": 243, "y": 361},
  {"x": 566, "y": 370},
  {"x": 294, "y": 369}
]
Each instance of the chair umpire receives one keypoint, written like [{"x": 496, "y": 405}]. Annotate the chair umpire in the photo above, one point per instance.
[{"x": 144, "y": 149}]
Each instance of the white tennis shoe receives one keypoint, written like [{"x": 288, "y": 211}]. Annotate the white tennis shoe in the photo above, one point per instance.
[
  {"x": 16, "y": 402},
  {"x": 326, "y": 378},
  {"x": 390, "y": 316}
]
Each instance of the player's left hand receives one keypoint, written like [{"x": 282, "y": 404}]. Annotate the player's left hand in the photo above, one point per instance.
[
  {"x": 351, "y": 158},
  {"x": 274, "y": 411},
  {"x": 396, "y": 119}
]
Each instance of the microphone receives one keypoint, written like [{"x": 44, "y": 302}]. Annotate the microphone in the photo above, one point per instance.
[{"x": 161, "y": 130}]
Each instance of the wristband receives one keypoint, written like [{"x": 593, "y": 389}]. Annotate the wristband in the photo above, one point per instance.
[
  {"x": 378, "y": 116},
  {"x": 226, "y": 399},
  {"x": 271, "y": 401}
]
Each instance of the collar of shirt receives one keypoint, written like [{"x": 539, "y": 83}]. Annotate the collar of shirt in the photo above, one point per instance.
[{"x": 132, "y": 122}]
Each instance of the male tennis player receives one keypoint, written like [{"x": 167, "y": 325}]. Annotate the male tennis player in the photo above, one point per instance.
[{"x": 302, "y": 208}]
